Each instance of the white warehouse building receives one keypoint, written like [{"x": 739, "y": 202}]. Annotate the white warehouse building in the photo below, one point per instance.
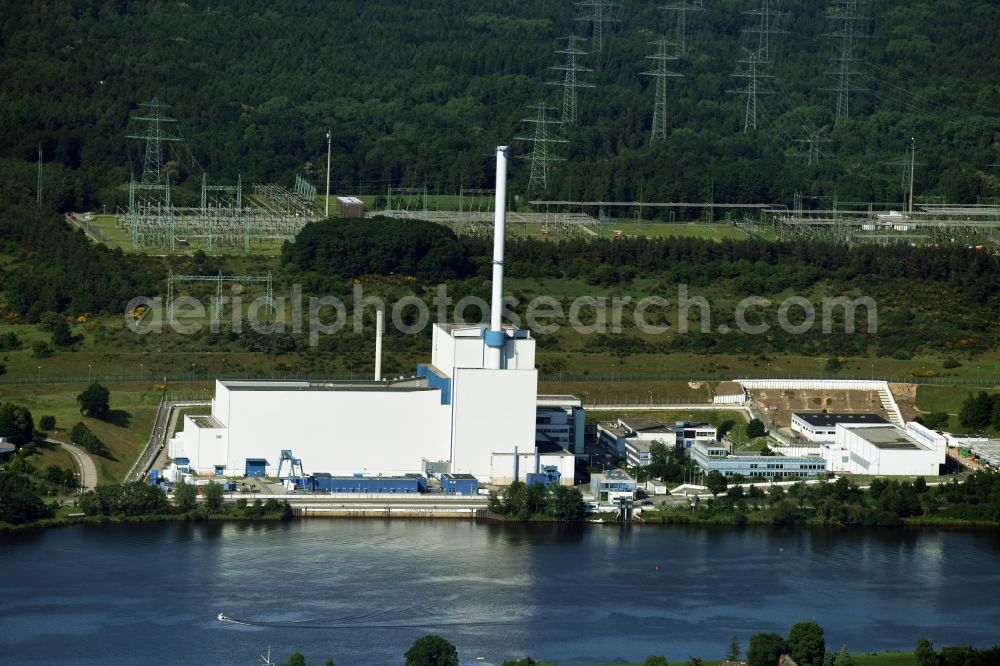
[
  {"x": 885, "y": 450},
  {"x": 467, "y": 412}
]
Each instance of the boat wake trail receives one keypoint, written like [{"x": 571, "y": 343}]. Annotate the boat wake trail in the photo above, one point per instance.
[{"x": 388, "y": 619}]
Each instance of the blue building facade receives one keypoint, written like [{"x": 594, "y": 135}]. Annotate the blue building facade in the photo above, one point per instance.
[
  {"x": 411, "y": 484},
  {"x": 459, "y": 484}
]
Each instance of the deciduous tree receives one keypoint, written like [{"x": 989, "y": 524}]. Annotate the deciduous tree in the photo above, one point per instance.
[
  {"x": 806, "y": 643},
  {"x": 95, "y": 401},
  {"x": 765, "y": 649},
  {"x": 431, "y": 650}
]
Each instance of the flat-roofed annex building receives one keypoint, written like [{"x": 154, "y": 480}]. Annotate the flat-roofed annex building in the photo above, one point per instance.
[
  {"x": 751, "y": 465},
  {"x": 822, "y": 427}
]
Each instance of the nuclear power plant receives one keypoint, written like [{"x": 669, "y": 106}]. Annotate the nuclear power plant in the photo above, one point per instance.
[{"x": 473, "y": 410}]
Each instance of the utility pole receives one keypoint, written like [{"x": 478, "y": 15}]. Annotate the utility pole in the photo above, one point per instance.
[
  {"x": 541, "y": 140},
  {"x": 38, "y": 188},
  {"x": 682, "y": 7},
  {"x": 661, "y": 74},
  {"x": 329, "y": 143},
  {"x": 913, "y": 164},
  {"x": 848, "y": 30},
  {"x": 601, "y": 13},
  {"x": 570, "y": 80}
]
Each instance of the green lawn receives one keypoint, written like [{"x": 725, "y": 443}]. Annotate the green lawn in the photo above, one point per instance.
[
  {"x": 715, "y": 417},
  {"x": 949, "y": 399},
  {"x": 125, "y": 433},
  {"x": 716, "y": 231},
  {"x": 881, "y": 659},
  {"x": 53, "y": 455}
]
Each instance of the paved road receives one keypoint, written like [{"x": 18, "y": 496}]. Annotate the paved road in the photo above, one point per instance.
[{"x": 88, "y": 470}]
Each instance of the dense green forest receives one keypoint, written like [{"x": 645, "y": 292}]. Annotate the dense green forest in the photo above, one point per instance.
[
  {"x": 419, "y": 93},
  {"x": 60, "y": 270}
]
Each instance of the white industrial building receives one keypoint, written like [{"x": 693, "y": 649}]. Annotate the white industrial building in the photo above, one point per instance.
[
  {"x": 822, "y": 426},
  {"x": 467, "y": 412},
  {"x": 885, "y": 450}
]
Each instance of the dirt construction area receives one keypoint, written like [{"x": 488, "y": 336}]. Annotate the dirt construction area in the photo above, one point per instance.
[
  {"x": 906, "y": 398},
  {"x": 780, "y": 404}
]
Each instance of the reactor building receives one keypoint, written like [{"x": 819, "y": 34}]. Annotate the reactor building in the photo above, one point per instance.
[{"x": 474, "y": 409}]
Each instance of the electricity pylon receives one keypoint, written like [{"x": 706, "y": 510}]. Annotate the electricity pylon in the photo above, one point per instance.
[
  {"x": 541, "y": 141},
  {"x": 752, "y": 73},
  {"x": 813, "y": 140},
  {"x": 849, "y": 30},
  {"x": 661, "y": 74},
  {"x": 154, "y": 135},
  {"x": 763, "y": 22},
  {"x": 601, "y": 12},
  {"x": 683, "y": 8},
  {"x": 570, "y": 81}
]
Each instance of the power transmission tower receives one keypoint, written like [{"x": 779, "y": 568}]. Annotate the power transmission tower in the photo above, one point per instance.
[
  {"x": 541, "y": 141},
  {"x": 813, "y": 140},
  {"x": 751, "y": 71},
  {"x": 38, "y": 188},
  {"x": 570, "y": 80},
  {"x": 661, "y": 74},
  {"x": 683, "y": 8},
  {"x": 849, "y": 30},
  {"x": 602, "y": 12},
  {"x": 763, "y": 23},
  {"x": 154, "y": 134}
]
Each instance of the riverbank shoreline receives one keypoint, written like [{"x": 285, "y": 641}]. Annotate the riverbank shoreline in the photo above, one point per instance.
[
  {"x": 422, "y": 515},
  {"x": 68, "y": 521}
]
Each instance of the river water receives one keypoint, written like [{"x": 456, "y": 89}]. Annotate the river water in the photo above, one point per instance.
[{"x": 360, "y": 592}]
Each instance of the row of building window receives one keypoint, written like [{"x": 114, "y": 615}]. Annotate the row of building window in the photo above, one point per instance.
[{"x": 769, "y": 474}]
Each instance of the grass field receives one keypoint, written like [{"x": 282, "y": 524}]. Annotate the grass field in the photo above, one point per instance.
[
  {"x": 124, "y": 433},
  {"x": 53, "y": 455},
  {"x": 949, "y": 399},
  {"x": 716, "y": 231},
  {"x": 714, "y": 416},
  {"x": 881, "y": 659}
]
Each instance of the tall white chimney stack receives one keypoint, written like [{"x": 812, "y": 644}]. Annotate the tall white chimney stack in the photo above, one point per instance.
[
  {"x": 495, "y": 336},
  {"x": 379, "y": 325}
]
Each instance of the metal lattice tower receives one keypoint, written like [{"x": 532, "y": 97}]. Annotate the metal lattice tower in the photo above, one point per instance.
[
  {"x": 683, "y": 8},
  {"x": 763, "y": 23},
  {"x": 571, "y": 80},
  {"x": 541, "y": 142},
  {"x": 751, "y": 71},
  {"x": 849, "y": 30},
  {"x": 813, "y": 141},
  {"x": 218, "y": 281},
  {"x": 661, "y": 74},
  {"x": 602, "y": 12},
  {"x": 154, "y": 135}
]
